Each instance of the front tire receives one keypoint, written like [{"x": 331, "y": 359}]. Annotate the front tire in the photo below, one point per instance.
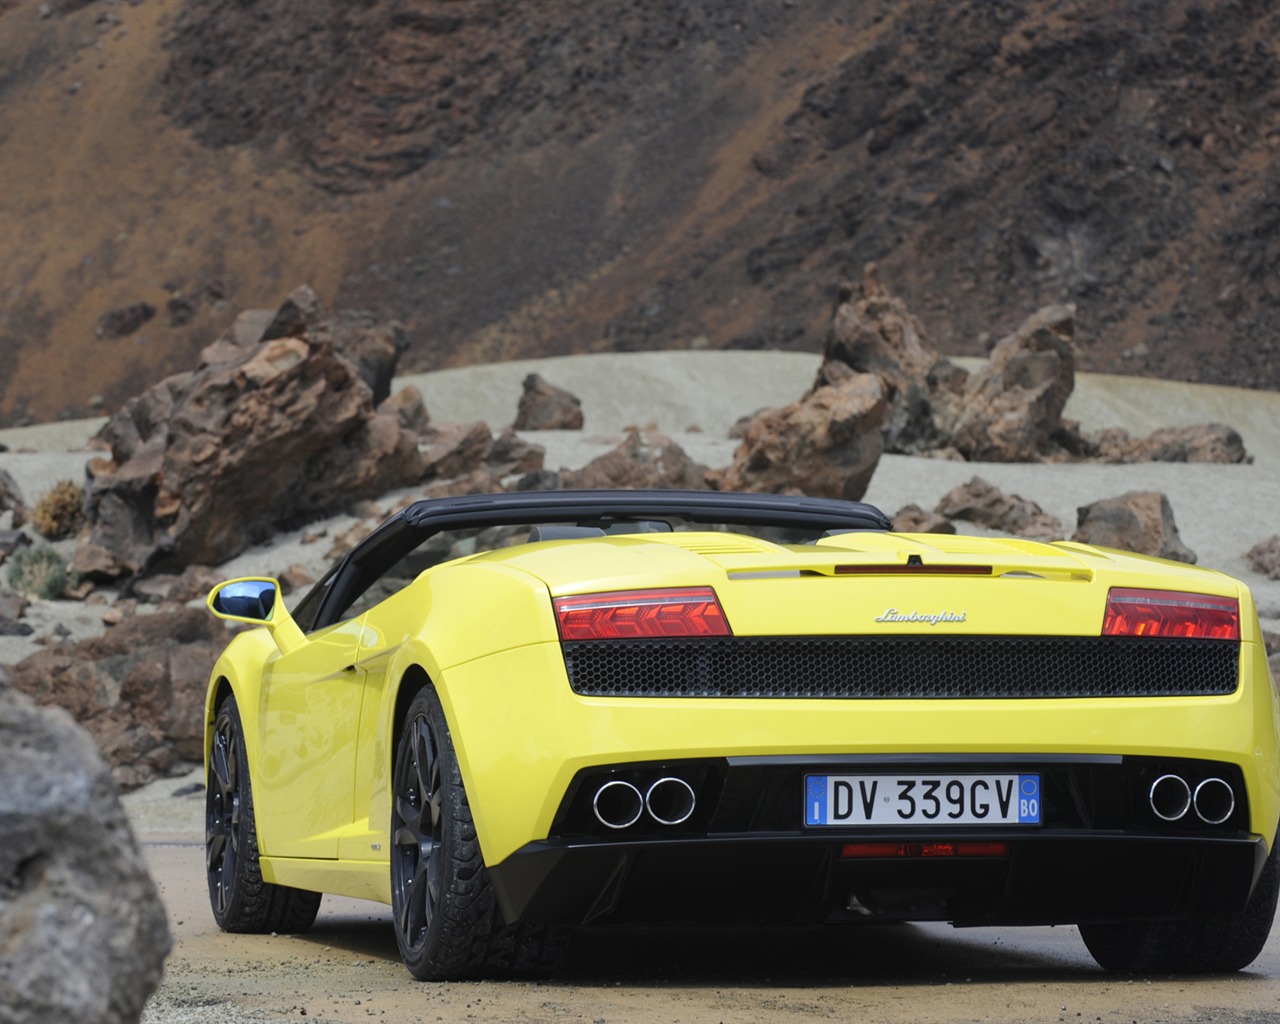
[
  {"x": 241, "y": 901},
  {"x": 447, "y": 922},
  {"x": 1213, "y": 944}
]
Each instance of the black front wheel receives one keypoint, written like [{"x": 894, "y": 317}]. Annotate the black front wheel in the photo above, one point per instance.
[{"x": 240, "y": 899}]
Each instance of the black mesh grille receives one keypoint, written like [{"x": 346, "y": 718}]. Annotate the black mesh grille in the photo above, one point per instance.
[{"x": 903, "y": 667}]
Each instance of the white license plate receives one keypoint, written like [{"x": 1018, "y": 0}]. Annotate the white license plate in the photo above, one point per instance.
[{"x": 933, "y": 799}]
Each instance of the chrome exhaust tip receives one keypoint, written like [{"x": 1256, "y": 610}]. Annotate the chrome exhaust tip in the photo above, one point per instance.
[
  {"x": 670, "y": 801},
  {"x": 1170, "y": 797},
  {"x": 1214, "y": 801},
  {"x": 617, "y": 804}
]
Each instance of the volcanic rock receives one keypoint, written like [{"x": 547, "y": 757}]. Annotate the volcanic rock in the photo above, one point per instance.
[
  {"x": 986, "y": 505},
  {"x": 878, "y": 334},
  {"x": 646, "y": 458},
  {"x": 85, "y": 932},
  {"x": 913, "y": 519},
  {"x": 827, "y": 445},
  {"x": 544, "y": 406},
  {"x": 1264, "y": 557},
  {"x": 206, "y": 463},
  {"x": 121, "y": 322},
  {"x": 1012, "y": 407},
  {"x": 11, "y": 500},
  {"x": 1205, "y": 442},
  {"x": 469, "y": 460},
  {"x": 138, "y": 689},
  {"x": 1139, "y": 521}
]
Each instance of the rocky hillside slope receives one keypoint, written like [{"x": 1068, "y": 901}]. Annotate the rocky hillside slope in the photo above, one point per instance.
[{"x": 511, "y": 179}]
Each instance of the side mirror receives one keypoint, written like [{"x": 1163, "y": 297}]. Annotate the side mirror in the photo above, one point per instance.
[
  {"x": 245, "y": 600},
  {"x": 257, "y": 601}
]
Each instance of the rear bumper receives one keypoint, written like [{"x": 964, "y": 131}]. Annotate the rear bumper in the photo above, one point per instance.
[{"x": 1049, "y": 878}]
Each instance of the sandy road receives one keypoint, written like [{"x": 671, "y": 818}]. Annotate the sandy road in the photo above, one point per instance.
[{"x": 347, "y": 969}]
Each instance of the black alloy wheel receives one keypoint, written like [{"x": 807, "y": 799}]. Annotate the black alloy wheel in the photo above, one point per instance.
[
  {"x": 447, "y": 922},
  {"x": 222, "y": 816},
  {"x": 417, "y": 841},
  {"x": 241, "y": 901}
]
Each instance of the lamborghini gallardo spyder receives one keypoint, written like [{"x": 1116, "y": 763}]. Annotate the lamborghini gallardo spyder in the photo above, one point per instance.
[{"x": 509, "y": 715}]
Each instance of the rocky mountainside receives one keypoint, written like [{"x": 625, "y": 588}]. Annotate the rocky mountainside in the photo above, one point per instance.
[{"x": 511, "y": 179}]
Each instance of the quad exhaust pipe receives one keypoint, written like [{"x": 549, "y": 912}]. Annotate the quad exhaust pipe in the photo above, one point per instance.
[
  {"x": 1171, "y": 797},
  {"x": 618, "y": 804}
]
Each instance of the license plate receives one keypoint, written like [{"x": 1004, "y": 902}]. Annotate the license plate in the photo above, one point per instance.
[{"x": 934, "y": 799}]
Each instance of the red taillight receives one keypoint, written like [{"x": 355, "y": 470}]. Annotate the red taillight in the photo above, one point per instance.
[
  {"x": 936, "y": 849},
  {"x": 625, "y": 614},
  {"x": 1168, "y": 613}
]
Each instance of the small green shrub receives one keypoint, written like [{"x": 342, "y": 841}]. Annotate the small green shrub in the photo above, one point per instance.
[
  {"x": 39, "y": 572},
  {"x": 60, "y": 512}
]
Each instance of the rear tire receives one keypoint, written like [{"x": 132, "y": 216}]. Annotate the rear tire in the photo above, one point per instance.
[
  {"x": 241, "y": 901},
  {"x": 1214, "y": 944},
  {"x": 447, "y": 922}
]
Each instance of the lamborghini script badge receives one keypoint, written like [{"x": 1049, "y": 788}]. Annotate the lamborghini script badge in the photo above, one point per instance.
[{"x": 933, "y": 618}]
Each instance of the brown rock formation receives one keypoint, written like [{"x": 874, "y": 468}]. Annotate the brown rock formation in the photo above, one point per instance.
[
  {"x": 985, "y": 504},
  {"x": 646, "y": 458},
  {"x": 827, "y": 445},
  {"x": 205, "y": 463},
  {"x": 1264, "y": 557},
  {"x": 544, "y": 406},
  {"x": 11, "y": 500},
  {"x": 138, "y": 689},
  {"x": 1205, "y": 442},
  {"x": 1012, "y": 407},
  {"x": 913, "y": 519},
  {"x": 1140, "y": 521}
]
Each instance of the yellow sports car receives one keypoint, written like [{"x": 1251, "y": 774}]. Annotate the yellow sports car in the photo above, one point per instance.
[{"x": 510, "y": 714}]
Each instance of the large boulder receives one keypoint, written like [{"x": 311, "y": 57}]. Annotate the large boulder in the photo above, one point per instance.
[
  {"x": 139, "y": 689},
  {"x": 827, "y": 445},
  {"x": 876, "y": 333},
  {"x": 373, "y": 348},
  {"x": 986, "y": 505},
  {"x": 205, "y": 464},
  {"x": 646, "y": 458},
  {"x": 543, "y": 406},
  {"x": 1203, "y": 442},
  {"x": 1139, "y": 521},
  {"x": 84, "y": 932},
  {"x": 1012, "y": 407}
]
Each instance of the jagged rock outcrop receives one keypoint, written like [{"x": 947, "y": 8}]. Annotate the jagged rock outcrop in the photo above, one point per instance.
[
  {"x": 913, "y": 519},
  {"x": 543, "y": 406},
  {"x": 986, "y": 505},
  {"x": 646, "y": 458},
  {"x": 84, "y": 932},
  {"x": 876, "y": 333},
  {"x": 138, "y": 689},
  {"x": 206, "y": 463},
  {"x": 1204, "y": 442},
  {"x": 13, "y": 606},
  {"x": 827, "y": 445},
  {"x": 1009, "y": 410},
  {"x": 470, "y": 460},
  {"x": 1264, "y": 557},
  {"x": 11, "y": 501},
  {"x": 373, "y": 348},
  {"x": 1012, "y": 407},
  {"x": 1140, "y": 521}
]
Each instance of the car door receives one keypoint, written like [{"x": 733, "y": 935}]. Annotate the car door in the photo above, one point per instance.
[{"x": 310, "y": 713}]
